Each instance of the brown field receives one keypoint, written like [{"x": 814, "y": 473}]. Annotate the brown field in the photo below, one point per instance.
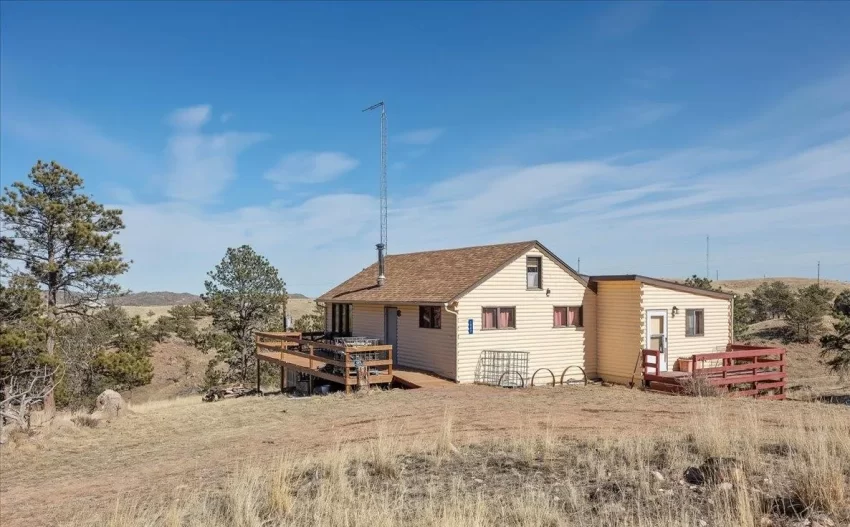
[
  {"x": 74, "y": 473},
  {"x": 748, "y": 284},
  {"x": 297, "y": 307}
]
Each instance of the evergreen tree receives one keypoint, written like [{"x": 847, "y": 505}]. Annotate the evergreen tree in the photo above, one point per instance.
[
  {"x": 837, "y": 347},
  {"x": 841, "y": 305},
  {"x": 64, "y": 240},
  {"x": 244, "y": 294}
]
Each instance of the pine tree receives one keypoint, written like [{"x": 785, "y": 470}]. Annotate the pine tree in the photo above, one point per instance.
[
  {"x": 244, "y": 294},
  {"x": 64, "y": 240}
]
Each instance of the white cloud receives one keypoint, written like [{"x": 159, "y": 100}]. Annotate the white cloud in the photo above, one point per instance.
[
  {"x": 424, "y": 136},
  {"x": 226, "y": 116},
  {"x": 191, "y": 117},
  {"x": 199, "y": 165},
  {"x": 310, "y": 168}
]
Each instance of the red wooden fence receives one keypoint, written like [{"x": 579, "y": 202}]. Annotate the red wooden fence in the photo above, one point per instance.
[{"x": 741, "y": 371}]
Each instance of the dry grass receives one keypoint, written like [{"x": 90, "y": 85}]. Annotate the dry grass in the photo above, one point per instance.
[
  {"x": 464, "y": 455},
  {"x": 530, "y": 478}
]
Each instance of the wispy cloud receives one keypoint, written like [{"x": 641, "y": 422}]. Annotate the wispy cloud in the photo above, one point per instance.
[
  {"x": 226, "y": 116},
  {"x": 624, "y": 18},
  {"x": 199, "y": 165},
  {"x": 310, "y": 168},
  {"x": 191, "y": 117},
  {"x": 424, "y": 136}
]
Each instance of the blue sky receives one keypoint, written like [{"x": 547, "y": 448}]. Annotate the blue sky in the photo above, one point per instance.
[{"x": 621, "y": 134}]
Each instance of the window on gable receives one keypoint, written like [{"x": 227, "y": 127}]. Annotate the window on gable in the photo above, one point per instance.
[
  {"x": 694, "y": 322},
  {"x": 498, "y": 318},
  {"x": 429, "y": 317},
  {"x": 568, "y": 316},
  {"x": 341, "y": 318},
  {"x": 533, "y": 272}
]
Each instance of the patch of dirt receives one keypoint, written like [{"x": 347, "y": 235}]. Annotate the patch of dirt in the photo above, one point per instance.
[{"x": 148, "y": 454}]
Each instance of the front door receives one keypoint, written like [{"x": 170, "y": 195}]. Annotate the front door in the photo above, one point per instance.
[
  {"x": 391, "y": 330},
  {"x": 656, "y": 334}
]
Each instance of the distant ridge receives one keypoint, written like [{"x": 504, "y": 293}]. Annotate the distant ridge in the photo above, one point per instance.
[
  {"x": 154, "y": 298},
  {"x": 165, "y": 298}
]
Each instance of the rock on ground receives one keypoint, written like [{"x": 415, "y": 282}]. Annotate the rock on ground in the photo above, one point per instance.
[{"x": 111, "y": 404}]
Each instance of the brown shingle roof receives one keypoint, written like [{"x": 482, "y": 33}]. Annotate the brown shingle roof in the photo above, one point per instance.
[{"x": 427, "y": 277}]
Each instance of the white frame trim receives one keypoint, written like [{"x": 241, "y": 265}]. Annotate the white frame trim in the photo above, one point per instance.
[{"x": 666, "y": 351}]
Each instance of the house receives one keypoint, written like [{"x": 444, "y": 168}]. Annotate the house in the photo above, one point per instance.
[{"x": 441, "y": 309}]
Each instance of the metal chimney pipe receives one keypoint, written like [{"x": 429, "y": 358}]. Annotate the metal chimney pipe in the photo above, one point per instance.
[{"x": 381, "y": 277}]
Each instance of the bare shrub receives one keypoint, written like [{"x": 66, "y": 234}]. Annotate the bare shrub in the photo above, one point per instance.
[{"x": 697, "y": 386}]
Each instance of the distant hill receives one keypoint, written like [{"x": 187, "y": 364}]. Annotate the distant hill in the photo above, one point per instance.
[
  {"x": 155, "y": 298},
  {"x": 747, "y": 285},
  {"x": 167, "y": 298}
]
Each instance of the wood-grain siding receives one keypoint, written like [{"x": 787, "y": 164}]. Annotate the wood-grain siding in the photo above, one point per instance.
[
  {"x": 548, "y": 347},
  {"x": 718, "y": 328},
  {"x": 619, "y": 329}
]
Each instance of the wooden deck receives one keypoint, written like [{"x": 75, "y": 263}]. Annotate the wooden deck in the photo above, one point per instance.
[
  {"x": 419, "y": 379},
  {"x": 740, "y": 371},
  {"x": 292, "y": 352}
]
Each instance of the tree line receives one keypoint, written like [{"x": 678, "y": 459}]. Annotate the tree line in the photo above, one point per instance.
[
  {"x": 803, "y": 312},
  {"x": 59, "y": 261}
]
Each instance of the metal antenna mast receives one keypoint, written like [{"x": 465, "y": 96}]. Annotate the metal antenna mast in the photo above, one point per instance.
[{"x": 383, "y": 188}]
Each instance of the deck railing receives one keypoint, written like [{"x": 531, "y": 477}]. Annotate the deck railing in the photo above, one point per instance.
[
  {"x": 343, "y": 364},
  {"x": 740, "y": 371}
]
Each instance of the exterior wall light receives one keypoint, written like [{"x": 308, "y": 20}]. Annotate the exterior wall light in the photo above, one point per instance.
[{"x": 675, "y": 311}]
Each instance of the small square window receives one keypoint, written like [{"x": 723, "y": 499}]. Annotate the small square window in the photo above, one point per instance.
[
  {"x": 533, "y": 272},
  {"x": 694, "y": 322},
  {"x": 429, "y": 317}
]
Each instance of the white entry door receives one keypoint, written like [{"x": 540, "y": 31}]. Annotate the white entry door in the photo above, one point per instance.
[{"x": 656, "y": 334}]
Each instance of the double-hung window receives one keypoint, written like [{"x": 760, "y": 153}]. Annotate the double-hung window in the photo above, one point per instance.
[
  {"x": 533, "y": 272},
  {"x": 694, "y": 322},
  {"x": 568, "y": 317},
  {"x": 429, "y": 317},
  {"x": 498, "y": 318}
]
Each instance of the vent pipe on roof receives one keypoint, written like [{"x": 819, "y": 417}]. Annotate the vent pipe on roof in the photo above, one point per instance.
[{"x": 381, "y": 277}]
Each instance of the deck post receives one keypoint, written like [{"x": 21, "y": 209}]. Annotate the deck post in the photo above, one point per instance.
[
  {"x": 282, "y": 379},
  {"x": 258, "y": 376},
  {"x": 346, "y": 372}
]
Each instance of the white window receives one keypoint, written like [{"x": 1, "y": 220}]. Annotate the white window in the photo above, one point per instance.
[{"x": 533, "y": 273}]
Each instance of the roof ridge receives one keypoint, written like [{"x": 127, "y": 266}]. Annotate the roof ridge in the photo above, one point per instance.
[{"x": 525, "y": 242}]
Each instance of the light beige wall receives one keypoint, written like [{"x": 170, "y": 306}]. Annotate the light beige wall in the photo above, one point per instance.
[
  {"x": 549, "y": 347},
  {"x": 619, "y": 329},
  {"x": 718, "y": 314},
  {"x": 425, "y": 348},
  {"x": 367, "y": 321}
]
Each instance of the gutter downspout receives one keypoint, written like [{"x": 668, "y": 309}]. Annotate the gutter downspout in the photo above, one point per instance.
[{"x": 455, "y": 313}]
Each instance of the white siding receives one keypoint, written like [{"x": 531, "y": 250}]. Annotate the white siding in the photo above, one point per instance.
[
  {"x": 619, "y": 325},
  {"x": 718, "y": 314},
  {"x": 549, "y": 347},
  {"x": 425, "y": 348},
  {"x": 367, "y": 321}
]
